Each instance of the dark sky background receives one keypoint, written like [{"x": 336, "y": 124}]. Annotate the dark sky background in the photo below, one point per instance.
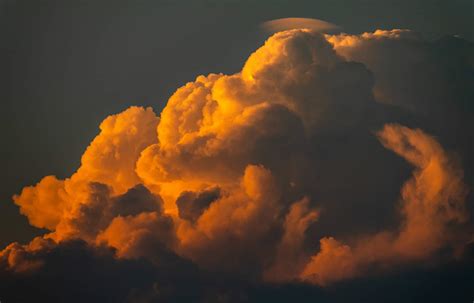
[{"x": 67, "y": 64}]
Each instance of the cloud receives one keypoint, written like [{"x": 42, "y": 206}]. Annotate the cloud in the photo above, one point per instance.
[
  {"x": 138, "y": 236},
  {"x": 22, "y": 258},
  {"x": 245, "y": 216},
  {"x": 74, "y": 272},
  {"x": 291, "y": 257},
  {"x": 422, "y": 76},
  {"x": 110, "y": 159},
  {"x": 241, "y": 176},
  {"x": 431, "y": 201},
  {"x": 278, "y": 25},
  {"x": 191, "y": 205}
]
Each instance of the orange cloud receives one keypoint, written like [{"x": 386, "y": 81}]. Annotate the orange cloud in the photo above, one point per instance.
[
  {"x": 43, "y": 204},
  {"x": 136, "y": 236},
  {"x": 431, "y": 202},
  {"x": 215, "y": 177},
  {"x": 234, "y": 226},
  {"x": 290, "y": 256},
  {"x": 23, "y": 258},
  {"x": 110, "y": 159}
]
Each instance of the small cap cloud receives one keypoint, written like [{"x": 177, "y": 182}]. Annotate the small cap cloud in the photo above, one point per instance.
[{"x": 283, "y": 24}]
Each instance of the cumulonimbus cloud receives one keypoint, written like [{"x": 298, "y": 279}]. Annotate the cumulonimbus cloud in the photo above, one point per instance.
[{"x": 226, "y": 176}]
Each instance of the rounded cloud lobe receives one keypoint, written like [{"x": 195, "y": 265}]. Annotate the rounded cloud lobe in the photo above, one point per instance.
[{"x": 244, "y": 174}]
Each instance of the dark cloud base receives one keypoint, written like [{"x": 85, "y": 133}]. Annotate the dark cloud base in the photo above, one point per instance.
[{"x": 73, "y": 272}]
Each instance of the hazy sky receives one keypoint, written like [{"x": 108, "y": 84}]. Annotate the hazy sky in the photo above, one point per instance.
[{"x": 68, "y": 64}]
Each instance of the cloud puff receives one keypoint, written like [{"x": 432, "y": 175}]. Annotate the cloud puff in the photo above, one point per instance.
[
  {"x": 242, "y": 175},
  {"x": 191, "y": 205},
  {"x": 110, "y": 159}
]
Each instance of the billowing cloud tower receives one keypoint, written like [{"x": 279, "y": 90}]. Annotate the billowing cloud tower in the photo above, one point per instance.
[{"x": 308, "y": 166}]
